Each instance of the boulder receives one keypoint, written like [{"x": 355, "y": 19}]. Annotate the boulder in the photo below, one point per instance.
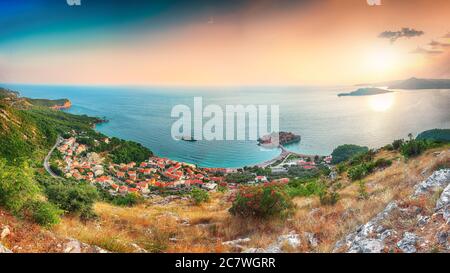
[
  {"x": 312, "y": 240},
  {"x": 72, "y": 246},
  {"x": 408, "y": 243},
  {"x": 367, "y": 246},
  {"x": 443, "y": 204}
]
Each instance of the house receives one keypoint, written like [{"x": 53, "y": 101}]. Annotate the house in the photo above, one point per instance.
[
  {"x": 120, "y": 174},
  {"x": 115, "y": 187},
  {"x": 148, "y": 171},
  {"x": 209, "y": 186},
  {"x": 123, "y": 189},
  {"x": 281, "y": 180},
  {"x": 261, "y": 178},
  {"x": 142, "y": 185},
  {"x": 81, "y": 148}
]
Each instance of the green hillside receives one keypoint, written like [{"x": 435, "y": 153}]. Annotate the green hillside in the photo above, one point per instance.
[{"x": 25, "y": 132}]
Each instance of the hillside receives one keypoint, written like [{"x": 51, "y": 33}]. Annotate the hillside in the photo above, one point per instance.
[{"x": 24, "y": 132}]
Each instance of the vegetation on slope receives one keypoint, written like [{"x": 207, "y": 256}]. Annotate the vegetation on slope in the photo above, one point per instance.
[
  {"x": 346, "y": 151},
  {"x": 441, "y": 135}
]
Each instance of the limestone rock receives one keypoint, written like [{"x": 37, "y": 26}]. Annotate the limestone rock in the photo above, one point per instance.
[
  {"x": 439, "y": 179},
  {"x": 408, "y": 243},
  {"x": 367, "y": 246},
  {"x": 443, "y": 204}
]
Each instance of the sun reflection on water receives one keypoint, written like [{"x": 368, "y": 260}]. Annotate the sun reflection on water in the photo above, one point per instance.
[{"x": 381, "y": 103}]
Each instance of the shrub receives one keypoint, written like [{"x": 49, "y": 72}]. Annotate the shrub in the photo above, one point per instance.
[
  {"x": 240, "y": 177},
  {"x": 199, "y": 196},
  {"x": 362, "y": 157},
  {"x": 397, "y": 144},
  {"x": 128, "y": 200},
  {"x": 328, "y": 197},
  {"x": 73, "y": 198},
  {"x": 304, "y": 187},
  {"x": 413, "y": 148},
  {"x": 341, "y": 167},
  {"x": 56, "y": 170},
  {"x": 383, "y": 163},
  {"x": 357, "y": 172},
  {"x": 345, "y": 152},
  {"x": 301, "y": 173},
  {"x": 362, "y": 190},
  {"x": 44, "y": 213},
  {"x": 389, "y": 147},
  {"x": 262, "y": 201}
]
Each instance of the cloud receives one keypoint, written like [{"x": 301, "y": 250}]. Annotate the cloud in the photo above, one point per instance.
[
  {"x": 421, "y": 50},
  {"x": 436, "y": 44},
  {"x": 404, "y": 32}
]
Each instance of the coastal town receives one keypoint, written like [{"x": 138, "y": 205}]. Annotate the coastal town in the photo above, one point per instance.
[{"x": 158, "y": 174}]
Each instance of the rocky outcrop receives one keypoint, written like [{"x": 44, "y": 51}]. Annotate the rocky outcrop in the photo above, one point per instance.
[
  {"x": 75, "y": 246},
  {"x": 443, "y": 204},
  {"x": 438, "y": 180},
  {"x": 66, "y": 105},
  {"x": 422, "y": 232},
  {"x": 290, "y": 240},
  {"x": 369, "y": 237}
]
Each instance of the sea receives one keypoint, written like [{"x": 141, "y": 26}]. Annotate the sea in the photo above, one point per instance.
[{"x": 324, "y": 120}]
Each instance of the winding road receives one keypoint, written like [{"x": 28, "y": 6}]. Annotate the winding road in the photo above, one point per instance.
[{"x": 59, "y": 139}]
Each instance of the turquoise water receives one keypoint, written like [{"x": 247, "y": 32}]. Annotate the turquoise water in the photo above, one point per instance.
[{"x": 322, "y": 119}]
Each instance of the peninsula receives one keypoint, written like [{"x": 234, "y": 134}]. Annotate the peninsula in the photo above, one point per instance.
[{"x": 365, "y": 92}]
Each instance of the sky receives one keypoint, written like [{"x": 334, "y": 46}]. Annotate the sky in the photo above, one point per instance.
[{"x": 233, "y": 42}]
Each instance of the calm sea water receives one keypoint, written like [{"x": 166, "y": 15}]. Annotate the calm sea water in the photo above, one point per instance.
[{"x": 322, "y": 119}]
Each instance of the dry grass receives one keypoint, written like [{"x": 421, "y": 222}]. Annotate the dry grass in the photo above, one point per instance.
[{"x": 160, "y": 228}]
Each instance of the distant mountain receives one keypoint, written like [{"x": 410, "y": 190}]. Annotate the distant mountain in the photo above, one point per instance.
[
  {"x": 365, "y": 92},
  {"x": 414, "y": 84}
]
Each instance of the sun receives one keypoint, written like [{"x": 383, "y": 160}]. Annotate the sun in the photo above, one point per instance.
[{"x": 381, "y": 103}]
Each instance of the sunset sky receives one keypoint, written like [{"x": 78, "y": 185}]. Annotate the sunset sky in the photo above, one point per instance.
[{"x": 228, "y": 42}]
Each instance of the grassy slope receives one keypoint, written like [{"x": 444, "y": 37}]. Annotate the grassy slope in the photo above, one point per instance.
[{"x": 151, "y": 225}]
